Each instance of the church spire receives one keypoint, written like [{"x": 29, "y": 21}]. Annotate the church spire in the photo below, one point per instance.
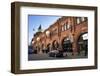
[{"x": 40, "y": 28}]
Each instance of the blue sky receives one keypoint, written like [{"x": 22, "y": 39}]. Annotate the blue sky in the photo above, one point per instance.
[{"x": 34, "y": 21}]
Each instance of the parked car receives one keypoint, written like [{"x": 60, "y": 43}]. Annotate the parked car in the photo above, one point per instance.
[
  {"x": 30, "y": 51},
  {"x": 56, "y": 53},
  {"x": 59, "y": 54},
  {"x": 35, "y": 51},
  {"x": 53, "y": 53}
]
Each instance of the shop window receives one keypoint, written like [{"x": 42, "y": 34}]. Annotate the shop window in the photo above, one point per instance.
[
  {"x": 83, "y": 44},
  {"x": 67, "y": 45}
]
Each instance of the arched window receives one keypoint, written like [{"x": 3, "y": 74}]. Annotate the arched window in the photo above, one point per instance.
[
  {"x": 62, "y": 28},
  {"x": 48, "y": 48},
  {"x": 66, "y": 44},
  {"x": 78, "y": 20},
  {"x": 82, "y": 18},
  {"x": 55, "y": 45},
  {"x": 83, "y": 43}
]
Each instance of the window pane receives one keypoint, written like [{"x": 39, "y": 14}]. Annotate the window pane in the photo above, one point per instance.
[
  {"x": 78, "y": 20},
  {"x": 83, "y": 19},
  {"x": 65, "y": 27},
  {"x": 62, "y": 28},
  {"x": 68, "y": 26}
]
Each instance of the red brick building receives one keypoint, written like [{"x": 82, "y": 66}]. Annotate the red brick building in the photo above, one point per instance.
[{"x": 67, "y": 33}]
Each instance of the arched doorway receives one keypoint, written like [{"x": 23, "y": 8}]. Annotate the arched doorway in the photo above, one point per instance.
[
  {"x": 67, "y": 45},
  {"x": 48, "y": 48},
  {"x": 83, "y": 43},
  {"x": 55, "y": 45},
  {"x": 43, "y": 48}
]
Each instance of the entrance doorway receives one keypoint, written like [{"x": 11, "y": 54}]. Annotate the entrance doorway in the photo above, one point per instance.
[
  {"x": 83, "y": 44},
  {"x": 67, "y": 45}
]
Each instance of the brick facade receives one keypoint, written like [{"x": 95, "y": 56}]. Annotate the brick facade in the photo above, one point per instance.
[{"x": 65, "y": 28}]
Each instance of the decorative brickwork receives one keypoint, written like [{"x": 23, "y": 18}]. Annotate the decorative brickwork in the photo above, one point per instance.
[{"x": 64, "y": 34}]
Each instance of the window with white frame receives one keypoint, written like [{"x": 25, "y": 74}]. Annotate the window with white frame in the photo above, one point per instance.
[
  {"x": 82, "y": 18},
  {"x": 68, "y": 26},
  {"x": 62, "y": 28},
  {"x": 65, "y": 26},
  {"x": 78, "y": 20}
]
